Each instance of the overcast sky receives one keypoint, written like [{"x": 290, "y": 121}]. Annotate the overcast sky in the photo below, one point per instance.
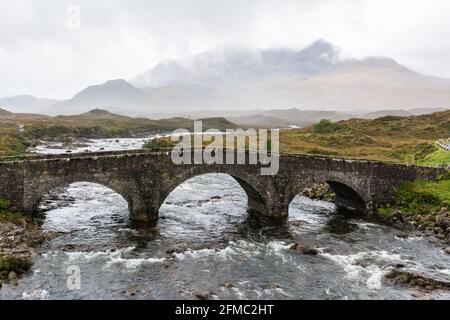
[{"x": 45, "y": 52}]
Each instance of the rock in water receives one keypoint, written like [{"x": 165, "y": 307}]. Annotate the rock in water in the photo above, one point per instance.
[
  {"x": 297, "y": 223},
  {"x": 228, "y": 285},
  {"x": 304, "y": 249},
  {"x": 12, "y": 276},
  {"x": 205, "y": 295},
  {"x": 416, "y": 280}
]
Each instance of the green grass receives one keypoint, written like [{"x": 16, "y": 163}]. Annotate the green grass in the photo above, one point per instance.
[
  {"x": 159, "y": 143},
  {"x": 439, "y": 156},
  {"x": 7, "y": 215},
  {"x": 421, "y": 196},
  {"x": 17, "y": 264}
]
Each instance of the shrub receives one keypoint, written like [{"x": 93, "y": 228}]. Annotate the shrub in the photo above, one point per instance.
[
  {"x": 325, "y": 126},
  {"x": 159, "y": 143},
  {"x": 4, "y": 205},
  {"x": 17, "y": 264}
]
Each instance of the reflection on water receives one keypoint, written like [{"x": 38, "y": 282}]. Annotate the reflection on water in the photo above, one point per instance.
[{"x": 205, "y": 239}]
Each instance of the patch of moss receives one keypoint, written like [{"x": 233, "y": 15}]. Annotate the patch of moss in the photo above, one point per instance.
[{"x": 17, "y": 264}]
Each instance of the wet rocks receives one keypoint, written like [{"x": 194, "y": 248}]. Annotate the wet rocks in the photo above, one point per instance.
[
  {"x": 228, "y": 285},
  {"x": 304, "y": 249},
  {"x": 271, "y": 286},
  {"x": 435, "y": 223},
  {"x": 173, "y": 251},
  {"x": 296, "y": 223},
  {"x": 402, "y": 235},
  {"x": 12, "y": 276},
  {"x": 415, "y": 280},
  {"x": 447, "y": 250},
  {"x": 18, "y": 242},
  {"x": 131, "y": 292},
  {"x": 319, "y": 191},
  {"x": 204, "y": 295}
]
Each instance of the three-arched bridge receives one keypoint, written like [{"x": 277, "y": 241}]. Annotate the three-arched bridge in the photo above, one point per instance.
[{"x": 146, "y": 178}]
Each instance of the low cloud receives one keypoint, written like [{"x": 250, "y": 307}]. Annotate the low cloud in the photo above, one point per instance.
[{"x": 40, "y": 55}]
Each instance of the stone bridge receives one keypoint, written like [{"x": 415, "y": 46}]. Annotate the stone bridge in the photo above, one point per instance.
[{"x": 145, "y": 179}]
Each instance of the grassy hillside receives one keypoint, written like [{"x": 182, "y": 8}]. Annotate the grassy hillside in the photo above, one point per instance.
[
  {"x": 18, "y": 130},
  {"x": 403, "y": 139}
]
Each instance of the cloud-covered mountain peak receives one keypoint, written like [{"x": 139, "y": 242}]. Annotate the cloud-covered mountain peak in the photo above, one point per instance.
[
  {"x": 320, "y": 49},
  {"x": 236, "y": 65},
  {"x": 233, "y": 78}
]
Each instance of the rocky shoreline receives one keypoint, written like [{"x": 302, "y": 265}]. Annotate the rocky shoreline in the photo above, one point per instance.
[
  {"x": 436, "y": 223},
  {"x": 19, "y": 242}
]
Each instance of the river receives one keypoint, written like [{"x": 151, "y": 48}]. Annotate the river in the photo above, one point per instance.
[{"x": 220, "y": 249}]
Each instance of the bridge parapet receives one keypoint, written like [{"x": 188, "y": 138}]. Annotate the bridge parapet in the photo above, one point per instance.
[{"x": 145, "y": 178}]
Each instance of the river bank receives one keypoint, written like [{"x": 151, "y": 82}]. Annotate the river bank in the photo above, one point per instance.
[{"x": 20, "y": 239}]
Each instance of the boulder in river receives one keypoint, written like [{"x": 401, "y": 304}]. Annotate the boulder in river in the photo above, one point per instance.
[
  {"x": 416, "y": 280},
  {"x": 304, "y": 249},
  {"x": 204, "y": 295},
  {"x": 296, "y": 223},
  {"x": 228, "y": 285}
]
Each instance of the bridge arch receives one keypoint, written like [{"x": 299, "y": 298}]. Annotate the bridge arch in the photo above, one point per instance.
[
  {"x": 348, "y": 194},
  {"x": 255, "y": 199},
  {"x": 39, "y": 189}
]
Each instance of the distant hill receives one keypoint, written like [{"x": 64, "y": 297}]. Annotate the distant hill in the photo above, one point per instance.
[
  {"x": 5, "y": 114},
  {"x": 287, "y": 118},
  {"x": 26, "y": 104},
  {"x": 98, "y": 123},
  {"x": 259, "y": 121},
  {"x": 384, "y": 113},
  {"x": 111, "y": 95},
  {"x": 401, "y": 112},
  {"x": 298, "y": 117}
]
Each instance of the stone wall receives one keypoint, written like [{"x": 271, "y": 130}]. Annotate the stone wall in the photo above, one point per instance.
[{"x": 145, "y": 179}]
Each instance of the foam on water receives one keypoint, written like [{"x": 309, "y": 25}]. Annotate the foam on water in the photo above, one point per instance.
[{"x": 368, "y": 267}]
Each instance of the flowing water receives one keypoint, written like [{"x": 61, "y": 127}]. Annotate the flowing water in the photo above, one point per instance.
[{"x": 205, "y": 219}]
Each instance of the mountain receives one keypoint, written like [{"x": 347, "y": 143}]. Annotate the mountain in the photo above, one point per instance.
[
  {"x": 298, "y": 117},
  {"x": 240, "y": 65},
  {"x": 259, "y": 121},
  {"x": 112, "y": 95},
  {"x": 314, "y": 78},
  {"x": 26, "y": 103},
  {"x": 5, "y": 114},
  {"x": 385, "y": 113},
  {"x": 401, "y": 112}
]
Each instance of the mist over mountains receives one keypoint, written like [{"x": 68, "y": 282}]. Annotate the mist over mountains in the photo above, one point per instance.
[
  {"x": 239, "y": 79},
  {"x": 27, "y": 103}
]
